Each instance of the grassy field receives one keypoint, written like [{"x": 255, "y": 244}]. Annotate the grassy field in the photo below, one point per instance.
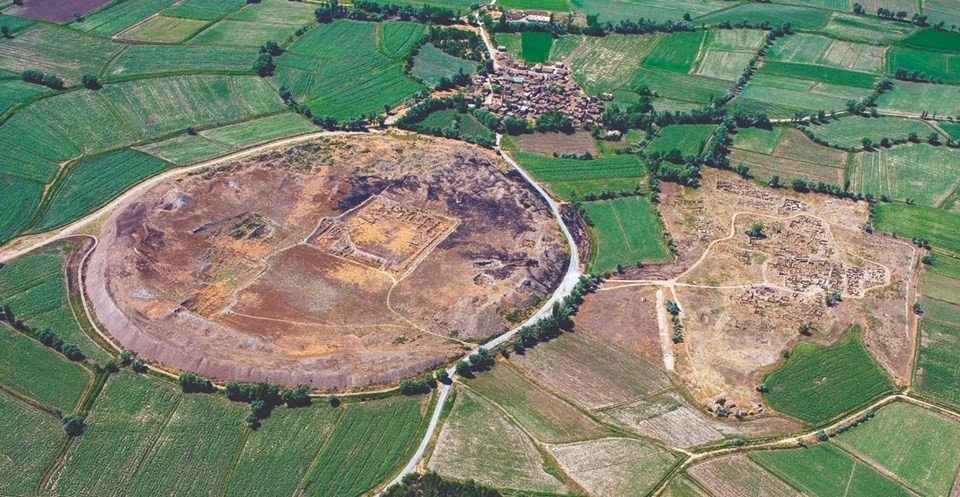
[
  {"x": 683, "y": 486},
  {"x": 799, "y": 48},
  {"x": 139, "y": 60},
  {"x": 277, "y": 12},
  {"x": 943, "y": 312},
  {"x": 921, "y": 97},
  {"x": 939, "y": 66},
  {"x": 469, "y": 125},
  {"x": 798, "y": 17},
  {"x": 398, "y": 38},
  {"x": 33, "y": 286},
  {"x": 60, "y": 51},
  {"x": 676, "y": 52},
  {"x": 21, "y": 197},
  {"x": 544, "y": 415},
  {"x": 124, "y": 424},
  {"x": 938, "y": 364},
  {"x": 607, "y": 63},
  {"x": 162, "y": 29},
  {"x": 569, "y": 177},
  {"x": 277, "y": 455},
  {"x": 120, "y": 16},
  {"x": 952, "y": 129},
  {"x": 735, "y": 40},
  {"x": 940, "y": 287},
  {"x": 737, "y": 475},
  {"x": 841, "y": 377},
  {"x": 946, "y": 266},
  {"x": 614, "y": 466},
  {"x": 625, "y": 231},
  {"x": 536, "y": 46},
  {"x": 932, "y": 39},
  {"x": 207, "y": 10},
  {"x": 822, "y": 74},
  {"x": 758, "y": 140},
  {"x": 13, "y": 91},
  {"x": 909, "y": 221},
  {"x": 795, "y": 156},
  {"x": 31, "y": 441},
  {"x": 257, "y": 131},
  {"x": 194, "y": 449},
  {"x": 479, "y": 442},
  {"x": 185, "y": 149},
  {"x": 93, "y": 182},
  {"x": 30, "y": 369},
  {"x": 724, "y": 65},
  {"x": 589, "y": 372},
  {"x": 823, "y": 471},
  {"x": 941, "y": 10},
  {"x": 659, "y": 10},
  {"x": 688, "y": 138},
  {"x": 155, "y": 107},
  {"x": 915, "y": 171},
  {"x": 432, "y": 64},
  {"x": 551, "y": 5},
  {"x": 850, "y": 131},
  {"x": 780, "y": 96},
  {"x": 866, "y": 28},
  {"x": 351, "y": 76},
  {"x": 376, "y": 436},
  {"x": 915, "y": 444}
]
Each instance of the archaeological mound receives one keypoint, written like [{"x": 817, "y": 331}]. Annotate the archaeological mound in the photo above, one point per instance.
[{"x": 341, "y": 263}]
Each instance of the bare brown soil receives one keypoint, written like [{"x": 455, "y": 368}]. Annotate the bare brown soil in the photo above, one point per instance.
[
  {"x": 577, "y": 142},
  {"x": 745, "y": 299},
  {"x": 54, "y": 10},
  {"x": 341, "y": 263}
]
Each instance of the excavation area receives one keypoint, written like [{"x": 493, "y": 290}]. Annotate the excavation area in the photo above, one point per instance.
[{"x": 342, "y": 263}]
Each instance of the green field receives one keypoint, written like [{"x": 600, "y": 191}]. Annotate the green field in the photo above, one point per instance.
[
  {"x": 625, "y": 231},
  {"x": 536, "y": 46},
  {"x": 124, "y": 424},
  {"x": 724, "y": 65},
  {"x": 823, "y": 74},
  {"x": 795, "y": 156},
  {"x": 915, "y": 444},
  {"x": 682, "y": 89},
  {"x": 162, "y": 29},
  {"x": 689, "y": 139},
  {"x": 185, "y": 149},
  {"x": 937, "y": 286},
  {"x": 468, "y": 124},
  {"x": 916, "y": 172},
  {"x": 798, "y": 17},
  {"x": 910, "y": 221},
  {"x": 824, "y": 471},
  {"x": 397, "y": 38},
  {"x": 841, "y": 377},
  {"x": 544, "y": 415},
  {"x": 850, "y": 131},
  {"x": 155, "y": 107},
  {"x": 551, "y": 5},
  {"x": 93, "y": 182},
  {"x": 938, "y": 66},
  {"x": 277, "y": 455},
  {"x": 568, "y": 178},
  {"x": 31, "y": 442},
  {"x": 915, "y": 98},
  {"x": 658, "y": 10},
  {"x": 120, "y": 16},
  {"x": 139, "y": 60},
  {"x": 799, "y": 48},
  {"x": 676, "y": 52},
  {"x": 946, "y": 266},
  {"x": 611, "y": 62},
  {"x": 866, "y": 28},
  {"x": 938, "y": 364},
  {"x": 932, "y": 39},
  {"x": 376, "y": 436},
  {"x": 28, "y": 368},
  {"x": 13, "y": 91},
  {"x": 431, "y": 64},
  {"x": 194, "y": 449},
  {"x": 781, "y": 96},
  {"x": 498, "y": 452},
  {"x": 33, "y": 286},
  {"x": 257, "y": 131},
  {"x": 21, "y": 197},
  {"x": 250, "y": 34},
  {"x": 351, "y": 77},
  {"x": 952, "y": 129},
  {"x": 276, "y": 12},
  {"x": 758, "y": 140},
  {"x": 207, "y": 10}
]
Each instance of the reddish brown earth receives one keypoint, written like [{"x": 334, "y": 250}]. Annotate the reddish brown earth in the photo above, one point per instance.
[
  {"x": 54, "y": 10},
  {"x": 342, "y": 263}
]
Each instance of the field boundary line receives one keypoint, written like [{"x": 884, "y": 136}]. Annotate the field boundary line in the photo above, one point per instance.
[
  {"x": 316, "y": 457},
  {"x": 866, "y": 461},
  {"x": 228, "y": 474},
  {"x": 156, "y": 438},
  {"x": 30, "y": 401},
  {"x": 853, "y": 471}
]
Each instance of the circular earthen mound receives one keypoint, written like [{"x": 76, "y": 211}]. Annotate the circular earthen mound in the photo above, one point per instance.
[{"x": 340, "y": 263}]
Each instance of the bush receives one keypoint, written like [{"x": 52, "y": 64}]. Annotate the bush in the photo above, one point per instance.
[
  {"x": 298, "y": 397},
  {"x": 125, "y": 357},
  {"x": 191, "y": 383},
  {"x": 73, "y": 353},
  {"x": 138, "y": 366},
  {"x": 90, "y": 82},
  {"x": 72, "y": 425},
  {"x": 264, "y": 65}
]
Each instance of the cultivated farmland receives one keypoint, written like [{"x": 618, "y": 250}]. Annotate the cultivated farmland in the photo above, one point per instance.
[
  {"x": 28, "y": 368},
  {"x": 377, "y": 435},
  {"x": 536, "y": 46},
  {"x": 938, "y": 365},
  {"x": 162, "y": 29},
  {"x": 795, "y": 156},
  {"x": 31, "y": 441},
  {"x": 612, "y": 62},
  {"x": 850, "y": 131},
  {"x": 626, "y": 231},
  {"x": 917, "y": 172},
  {"x": 571, "y": 177},
  {"x": 185, "y": 149},
  {"x": 139, "y": 60},
  {"x": 257, "y": 131},
  {"x": 432, "y": 64},
  {"x": 735, "y": 475},
  {"x": 548, "y": 418},
  {"x": 911, "y": 221},
  {"x": 689, "y": 139},
  {"x": 660, "y": 10},
  {"x": 56, "y": 50},
  {"x": 841, "y": 377},
  {"x": 21, "y": 197},
  {"x": 913, "y": 443},
  {"x": 121, "y": 15},
  {"x": 613, "y": 466},
  {"x": 823, "y": 471},
  {"x": 479, "y": 442},
  {"x": 915, "y": 98}
]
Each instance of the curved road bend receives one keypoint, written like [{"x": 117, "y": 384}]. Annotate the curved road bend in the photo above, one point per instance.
[{"x": 566, "y": 286}]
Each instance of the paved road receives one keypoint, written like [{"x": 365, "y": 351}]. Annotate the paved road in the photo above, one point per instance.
[{"x": 566, "y": 286}]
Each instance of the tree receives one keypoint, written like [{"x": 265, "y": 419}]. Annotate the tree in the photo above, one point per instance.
[
  {"x": 333, "y": 400},
  {"x": 912, "y": 137},
  {"x": 933, "y": 138},
  {"x": 742, "y": 169},
  {"x": 298, "y": 397},
  {"x": 264, "y": 65},
  {"x": 191, "y": 383},
  {"x": 72, "y": 352},
  {"x": 774, "y": 182},
  {"x": 260, "y": 409},
  {"x": 138, "y": 366},
  {"x": 443, "y": 376},
  {"x": 253, "y": 422},
  {"x": 755, "y": 231},
  {"x": 463, "y": 369},
  {"x": 90, "y": 82},
  {"x": 32, "y": 76},
  {"x": 858, "y": 9},
  {"x": 867, "y": 143},
  {"x": 822, "y": 436},
  {"x": 763, "y": 388},
  {"x": 917, "y": 309},
  {"x": 52, "y": 81},
  {"x": 271, "y": 48},
  {"x": 5, "y": 31},
  {"x": 832, "y": 298},
  {"x": 72, "y": 425}
]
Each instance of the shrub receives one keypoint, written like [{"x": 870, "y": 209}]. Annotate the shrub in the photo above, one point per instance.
[
  {"x": 138, "y": 366},
  {"x": 191, "y": 383},
  {"x": 72, "y": 352},
  {"x": 90, "y": 82},
  {"x": 72, "y": 425}
]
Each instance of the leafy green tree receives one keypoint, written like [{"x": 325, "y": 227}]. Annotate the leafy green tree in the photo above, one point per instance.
[
  {"x": 271, "y": 48},
  {"x": 5, "y": 31},
  {"x": 72, "y": 352},
  {"x": 191, "y": 383},
  {"x": 138, "y": 366},
  {"x": 755, "y": 231},
  {"x": 90, "y": 82},
  {"x": 264, "y": 65},
  {"x": 72, "y": 425}
]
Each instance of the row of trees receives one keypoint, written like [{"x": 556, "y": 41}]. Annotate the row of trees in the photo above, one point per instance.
[
  {"x": 39, "y": 78},
  {"x": 593, "y": 26},
  {"x": 376, "y": 12},
  {"x": 69, "y": 350},
  {"x": 430, "y": 484}
]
